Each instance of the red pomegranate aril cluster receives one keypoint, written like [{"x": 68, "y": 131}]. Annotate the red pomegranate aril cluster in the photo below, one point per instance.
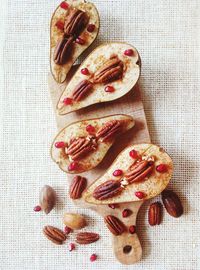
[
  {"x": 67, "y": 230},
  {"x": 90, "y": 129},
  {"x": 132, "y": 229},
  {"x": 90, "y": 28},
  {"x": 109, "y": 89},
  {"x": 64, "y": 5},
  {"x": 71, "y": 246},
  {"x": 126, "y": 213},
  {"x": 60, "y": 145},
  {"x": 93, "y": 257},
  {"x": 140, "y": 194},
  {"x": 161, "y": 168},
  {"x": 73, "y": 166},
  {"x": 113, "y": 205},
  {"x": 128, "y": 52},
  {"x": 117, "y": 172},
  {"x": 37, "y": 208},
  {"x": 80, "y": 41},
  {"x": 67, "y": 101},
  {"x": 60, "y": 25},
  {"x": 133, "y": 153},
  {"x": 85, "y": 71}
]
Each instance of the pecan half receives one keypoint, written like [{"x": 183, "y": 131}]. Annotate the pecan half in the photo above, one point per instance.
[
  {"x": 63, "y": 50},
  {"x": 155, "y": 213},
  {"x": 109, "y": 130},
  {"x": 115, "y": 225},
  {"x": 75, "y": 22},
  {"x": 107, "y": 190},
  {"x": 81, "y": 147},
  {"x": 81, "y": 90},
  {"x": 77, "y": 186},
  {"x": 84, "y": 238},
  {"x": 54, "y": 234},
  {"x": 172, "y": 203},
  {"x": 111, "y": 70},
  {"x": 139, "y": 170}
]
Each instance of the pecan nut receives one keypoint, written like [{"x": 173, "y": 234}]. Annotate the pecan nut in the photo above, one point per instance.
[
  {"x": 81, "y": 147},
  {"x": 139, "y": 170},
  {"x": 81, "y": 90},
  {"x": 54, "y": 234},
  {"x": 155, "y": 213},
  {"x": 63, "y": 50},
  {"x": 75, "y": 22},
  {"x": 84, "y": 238},
  {"x": 172, "y": 203},
  {"x": 109, "y": 130},
  {"x": 78, "y": 185},
  {"x": 108, "y": 189},
  {"x": 111, "y": 70},
  {"x": 115, "y": 225}
]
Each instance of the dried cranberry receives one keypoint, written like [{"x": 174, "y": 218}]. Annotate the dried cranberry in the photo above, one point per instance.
[
  {"x": 64, "y": 5},
  {"x": 85, "y": 71},
  {"x": 140, "y": 194},
  {"x": 60, "y": 25},
  {"x": 37, "y": 208},
  {"x": 128, "y": 52},
  {"x": 133, "y": 153},
  {"x": 117, "y": 172},
  {"x": 80, "y": 41},
  {"x": 93, "y": 257},
  {"x": 60, "y": 145},
  {"x": 132, "y": 229},
  {"x": 67, "y": 101},
  {"x": 109, "y": 89},
  {"x": 90, "y": 28},
  {"x": 161, "y": 168}
]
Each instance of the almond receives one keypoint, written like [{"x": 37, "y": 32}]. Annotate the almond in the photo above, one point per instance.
[{"x": 74, "y": 221}]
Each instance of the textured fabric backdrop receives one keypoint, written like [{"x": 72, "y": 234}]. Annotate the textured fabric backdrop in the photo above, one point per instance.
[{"x": 166, "y": 34}]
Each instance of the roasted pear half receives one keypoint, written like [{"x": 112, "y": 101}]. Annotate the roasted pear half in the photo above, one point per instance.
[
  {"x": 82, "y": 145},
  {"x": 140, "y": 172},
  {"x": 74, "y": 26},
  {"x": 107, "y": 74}
]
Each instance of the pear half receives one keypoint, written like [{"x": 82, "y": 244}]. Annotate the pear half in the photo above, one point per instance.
[
  {"x": 59, "y": 72},
  {"x": 94, "y": 62},
  {"x": 150, "y": 186},
  {"x": 79, "y": 129}
]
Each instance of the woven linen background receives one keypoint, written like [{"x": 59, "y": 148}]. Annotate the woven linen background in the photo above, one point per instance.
[{"x": 165, "y": 32}]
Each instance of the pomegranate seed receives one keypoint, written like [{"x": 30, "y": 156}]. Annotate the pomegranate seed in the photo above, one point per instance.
[
  {"x": 73, "y": 166},
  {"x": 140, "y": 194},
  {"x": 132, "y": 229},
  {"x": 90, "y": 129},
  {"x": 126, "y": 213},
  {"x": 71, "y": 246},
  {"x": 60, "y": 25},
  {"x": 67, "y": 230},
  {"x": 109, "y": 89},
  {"x": 37, "y": 208},
  {"x": 80, "y": 41},
  {"x": 85, "y": 71},
  {"x": 90, "y": 28},
  {"x": 93, "y": 257},
  {"x": 161, "y": 168},
  {"x": 64, "y": 5},
  {"x": 117, "y": 172},
  {"x": 113, "y": 205},
  {"x": 60, "y": 144},
  {"x": 133, "y": 154},
  {"x": 67, "y": 101},
  {"x": 128, "y": 52}
]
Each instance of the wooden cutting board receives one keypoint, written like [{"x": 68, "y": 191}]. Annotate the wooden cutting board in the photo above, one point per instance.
[{"x": 127, "y": 247}]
